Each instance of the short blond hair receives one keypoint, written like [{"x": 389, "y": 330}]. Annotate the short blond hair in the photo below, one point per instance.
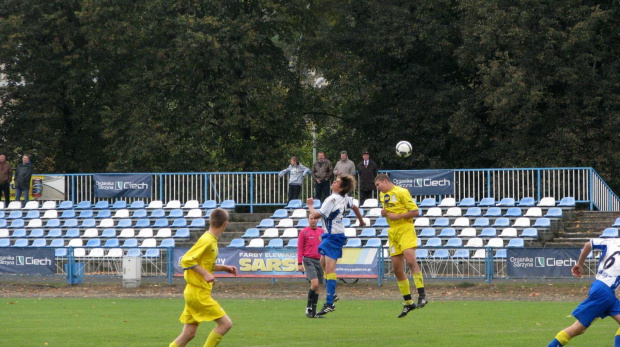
[{"x": 218, "y": 217}]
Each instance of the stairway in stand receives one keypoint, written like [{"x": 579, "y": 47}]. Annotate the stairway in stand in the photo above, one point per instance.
[{"x": 583, "y": 226}]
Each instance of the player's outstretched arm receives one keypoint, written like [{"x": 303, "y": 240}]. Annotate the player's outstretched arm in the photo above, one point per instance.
[{"x": 577, "y": 270}]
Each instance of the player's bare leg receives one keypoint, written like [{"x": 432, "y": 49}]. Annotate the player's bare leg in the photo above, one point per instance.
[{"x": 188, "y": 333}]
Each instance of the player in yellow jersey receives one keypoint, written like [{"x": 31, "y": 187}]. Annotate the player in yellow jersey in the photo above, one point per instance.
[
  {"x": 399, "y": 210},
  {"x": 199, "y": 266}
]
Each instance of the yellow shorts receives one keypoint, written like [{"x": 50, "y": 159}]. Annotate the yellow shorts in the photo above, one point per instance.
[
  {"x": 401, "y": 238},
  {"x": 199, "y": 306}
]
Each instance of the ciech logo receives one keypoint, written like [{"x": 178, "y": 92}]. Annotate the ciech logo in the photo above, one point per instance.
[
  {"x": 23, "y": 260},
  {"x": 428, "y": 182},
  {"x": 120, "y": 185},
  {"x": 555, "y": 262}
]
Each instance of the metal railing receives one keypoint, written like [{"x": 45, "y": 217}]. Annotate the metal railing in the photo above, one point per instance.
[{"x": 267, "y": 189}]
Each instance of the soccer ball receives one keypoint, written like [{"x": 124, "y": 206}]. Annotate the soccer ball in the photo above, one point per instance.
[{"x": 403, "y": 149}]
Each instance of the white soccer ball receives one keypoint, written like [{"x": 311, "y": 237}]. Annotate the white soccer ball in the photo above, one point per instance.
[{"x": 403, "y": 149}]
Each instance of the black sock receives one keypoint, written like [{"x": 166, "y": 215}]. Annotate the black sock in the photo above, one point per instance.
[
  {"x": 315, "y": 301},
  {"x": 311, "y": 294},
  {"x": 421, "y": 292}
]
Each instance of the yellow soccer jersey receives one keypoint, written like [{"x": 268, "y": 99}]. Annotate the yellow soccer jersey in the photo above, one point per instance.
[
  {"x": 203, "y": 253},
  {"x": 398, "y": 200}
]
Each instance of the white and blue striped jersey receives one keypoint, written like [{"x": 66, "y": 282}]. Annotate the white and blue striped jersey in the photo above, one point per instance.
[
  {"x": 608, "y": 270},
  {"x": 332, "y": 212}
]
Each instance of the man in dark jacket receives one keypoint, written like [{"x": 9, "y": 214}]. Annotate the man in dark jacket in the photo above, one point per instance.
[
  {"x": 367, "y": 172},
  {"x": 23, "y": 174},
  {"x": 6, "y": 174},
  {"x": 322, "y": 174}
]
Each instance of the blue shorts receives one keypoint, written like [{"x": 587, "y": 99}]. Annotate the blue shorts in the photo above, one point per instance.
[
  {"x": 601, "y": 302},
  {"x": 331, "y": 245}
]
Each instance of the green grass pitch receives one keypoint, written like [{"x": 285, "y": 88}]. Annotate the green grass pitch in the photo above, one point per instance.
[{"x": 154, "y": 322}]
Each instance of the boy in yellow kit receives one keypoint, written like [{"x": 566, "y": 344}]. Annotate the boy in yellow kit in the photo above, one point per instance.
[
  {"x": 199, "y": 265},
  {"x": 399, "y": 210}
]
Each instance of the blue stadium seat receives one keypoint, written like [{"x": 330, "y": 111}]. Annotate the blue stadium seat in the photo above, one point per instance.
[
  {"x": 488, "y": 232},
  {"x": 93, "y": 243},
  {"x": 176, "y": 213},
  {"x": 65, "y": 205},
  {"x": 134, "y": 252},
  {"x": 138, "y": 204},
  {"x": 441, "y": 222},
  {"x": 39, "y": 243},
  {"x": 182, "y": 233},
  {"x": 88, "y": 223},
  {"x": 72, "y": 233},
  {"x": 208, "y": 213},
  {"x": 279, "y": 214},
  {"x": 380, "y": 223},
  {"x": 83, "y": 205},
  {"x": 209, "y": 205},
  {"x": 251, "y": 233},
  {"x": 2, "y": 215},
  {"x": 5, "y": 243},
  {"x": 21, "y": 243},
  {"x": 567, "y": 202},
  {"x": 294, "y": 204},
  {"x": 426, "y": 233},
  {"x": 455, "y": 242},
  {"x": 151, "y": 253},
  {"x": 55, "y": 233},
  {"x": 543, "y": 223},
  {"x": 119, "y": 204},
  {"x": 501, "y": 223},
  {"x": 32, "y": 215},
  {"x": 373, "y": 243},
  {"x": 139, "y": 214},
  {"x": 292, "y": 243},
  {"x": 461, "y": 254},
  {"x": 353, "y": 242},
  {"x": 67, "y": 214},
  {"x": 143, "y": 223},
  {"x": 554, "y": 212},
  {"x": 433, "y": 242},
  {"x": 266, "y": 223},
  {"x": 18, "y": 233},
  {"x": 70, "y": 223},
  {"x": 421, "y": 253},
  {"x": 16, "y": 224},
  {"x": 275, "y": 243},
  {"x": 52, "y": 223},
  {"x": 515, "y": 243},
  {"x": 36, "y": 233},
  {"x": 493, "y": 212},
  {"x": 101, "y": 214},
  {"x": 527, "y": 202},
  {"x": 506, "y": 202},
  {"x": 158, "y": 213},
  {"x": 481, "y": 222},
  {"x": 441, "y": 254},
  {"x": 529, "y": 233},
  {"x": 130, "y": 243},
  {"x": 447, "y": 233},
  {"x": 56, "y": 243},
  {"x": 124, "y": 223},
  {"x": 60, "y": 252},
  {"x": 487, "y": 202},
  {"x": 384, "y": 232},
  {"x": 108, "y": 233},
  {"x": 500, "y": 254},
  {"x": 3, "y": 223},
  {"x": 473, "y": 212},
  {"x": 239, "y": 243},
  {"x": 513, "y": 212},
  {"x": 368, "y": 232},
  {"x": 168, "y": 242},
  {"x": 112, "y": 243},
  {"x": 228, "y": 204},
  {"x": 610, "y": 233},
  {"x": 102, "y": 205},
  {"x": 467, "y": 202},
  {"x": 616, "y": 223},
  {"x": 179, "y": 223},
  {"x": 15, "y": 215},
  {"x": 302, "y": 223},
  {"x": 198, "y": 223},
  {"x": 428, "y": 202},
  {"x": 161, "y": 223}
]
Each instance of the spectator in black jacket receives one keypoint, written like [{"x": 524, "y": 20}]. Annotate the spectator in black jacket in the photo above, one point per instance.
[{"x": 23, "y": 175}]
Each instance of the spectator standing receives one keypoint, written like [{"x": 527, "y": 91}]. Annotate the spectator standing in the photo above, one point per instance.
[
  {"x": 23, "y": 175},
  {"x": 309, "y": 261},
  {"x": 296, "y": 173},
  {"x": 6, "y": 174},
  {"x": 322, "y": 173},
  {"x": 368, "y": 171},
  {"x": 344, "y": 166},
  {"x": 198, "y": 268},
  {"x": 601, "y": 301}
]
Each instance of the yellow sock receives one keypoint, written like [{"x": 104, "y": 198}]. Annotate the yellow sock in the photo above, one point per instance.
[
  {"x": 213, "y": 339},
  {"x": 403, "y": 286},
  {"x": 562, "y": 337},
  {"x": 331, "y": 276},
  {"x": 418, "y": 280},
  {"x": 618, "y": 332},
  {"x": 173, "y": 344}
]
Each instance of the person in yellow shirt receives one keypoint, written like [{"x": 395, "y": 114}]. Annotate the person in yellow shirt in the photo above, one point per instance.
[
  {"x": 199, "y": 265},
  {"x": 399, "y": 209}
]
